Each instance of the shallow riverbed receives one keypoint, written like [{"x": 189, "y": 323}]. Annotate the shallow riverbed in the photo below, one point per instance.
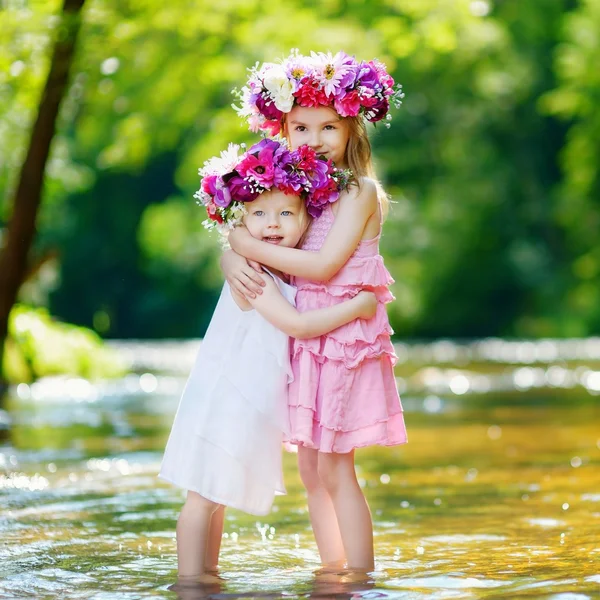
[{"x": 497, "y": 495}]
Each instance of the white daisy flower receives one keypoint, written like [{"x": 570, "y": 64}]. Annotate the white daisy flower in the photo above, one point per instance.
[{"x": 329, "y": 70}]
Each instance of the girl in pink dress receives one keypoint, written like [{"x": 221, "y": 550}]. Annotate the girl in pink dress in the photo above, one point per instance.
[{"x": 344, "y": 393}]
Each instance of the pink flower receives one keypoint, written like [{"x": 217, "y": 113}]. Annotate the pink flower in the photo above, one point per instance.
[
  {"x": 258, "y": 167},
  {"x": 273, "y": 127},
  {"x": 386, "y": 80},
  {"x": 307, "y": 158},
  {"x": 310, "y": 93},
  {"x": 322, "y": 196},
  {"x": 349, "y": 105},
  {"x": 213, "y": 215},
  {"x": 209, "y": 184}
]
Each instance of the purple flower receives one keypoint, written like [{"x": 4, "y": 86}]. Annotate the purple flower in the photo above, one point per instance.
[
  {"x": 368, "y": 76},
  {"x": 268, "y": 109},
  {"x": 265, "y": 143},
  {"x": 349, "y": 70},
  {"x": 349, "y": 78},
  {"x": 240, "y": 189},
  {"x": 378, "y": 110},
  {"x": 222, "y": 193},
  {"x": 319, "y": 175}
]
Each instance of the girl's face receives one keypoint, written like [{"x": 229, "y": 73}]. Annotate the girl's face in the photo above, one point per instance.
[
  {"x": 321, "y": 128},
  {"x": 277, "y": 218}
]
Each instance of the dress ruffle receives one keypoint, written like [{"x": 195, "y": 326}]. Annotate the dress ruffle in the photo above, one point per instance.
[
  {"x": 343, "y": 292},
  {"x": 321, "y": 415},
  {"x": 351, "y": 343}
]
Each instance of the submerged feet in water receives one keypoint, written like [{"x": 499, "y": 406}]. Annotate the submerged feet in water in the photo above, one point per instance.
[{"x": 202, "y": 586}]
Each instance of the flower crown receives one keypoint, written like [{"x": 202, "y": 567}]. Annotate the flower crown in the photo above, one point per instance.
[
  {"x": 339, "y": 81},
  {"x": 230, "y": 181}
]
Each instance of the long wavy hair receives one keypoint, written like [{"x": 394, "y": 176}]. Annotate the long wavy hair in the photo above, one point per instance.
[{"x": 360, "y": 158}]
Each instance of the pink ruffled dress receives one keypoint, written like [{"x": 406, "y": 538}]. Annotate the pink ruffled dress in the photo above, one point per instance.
[{"x": 344, "y": 392}]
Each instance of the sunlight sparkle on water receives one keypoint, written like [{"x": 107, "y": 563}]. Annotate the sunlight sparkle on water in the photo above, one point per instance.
[
  {"x": 494, "y": 432},
  {"x": 20, "y": 481}
]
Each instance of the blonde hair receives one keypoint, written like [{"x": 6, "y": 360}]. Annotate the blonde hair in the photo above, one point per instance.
[{"x": 360, "y": 161}]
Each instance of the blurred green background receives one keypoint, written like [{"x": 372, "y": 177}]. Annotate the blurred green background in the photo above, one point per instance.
[
  {"x": 492, "y": 161},
  {"x": 492, "y": 164}
]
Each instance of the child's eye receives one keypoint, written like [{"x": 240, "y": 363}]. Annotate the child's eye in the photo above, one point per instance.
[
  {"x": 300, "y": 128},
  {"x": 286, "y": 213},
  {"x": 329, "y": 127},
  {"x": 258, "y": 213}
]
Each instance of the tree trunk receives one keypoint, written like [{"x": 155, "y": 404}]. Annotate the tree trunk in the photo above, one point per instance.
[{"x": 26, "y": 202}]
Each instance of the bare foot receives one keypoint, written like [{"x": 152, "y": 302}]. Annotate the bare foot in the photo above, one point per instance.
[
  {"x": 210, "y": 579},
  {"x": 207, "y": 582},
  {"x": 356, "y": 576},
  {"x": 342, "y": 575}
]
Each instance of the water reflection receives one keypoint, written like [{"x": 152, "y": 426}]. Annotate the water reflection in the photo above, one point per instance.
[{"x": 495, "y": 496}]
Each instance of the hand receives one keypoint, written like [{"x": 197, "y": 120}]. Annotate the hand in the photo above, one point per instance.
[
  {"x": 242, "y": 275},
  {"x": 367, "y": 302},
  {"x": 237, "y": 237}
]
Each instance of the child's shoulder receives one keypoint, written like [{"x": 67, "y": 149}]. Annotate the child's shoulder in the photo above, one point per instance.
[{"x": 364, "y": 191}]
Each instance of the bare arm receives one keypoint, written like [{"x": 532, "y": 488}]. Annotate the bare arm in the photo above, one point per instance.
[
  {"x": 279, "y": 312},
  {"x": 242, "y": 275},
  {"x": 355, "y": 208}
]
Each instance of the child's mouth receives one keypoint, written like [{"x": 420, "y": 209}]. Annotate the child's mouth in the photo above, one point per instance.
[{"x": 273, "y": 239}]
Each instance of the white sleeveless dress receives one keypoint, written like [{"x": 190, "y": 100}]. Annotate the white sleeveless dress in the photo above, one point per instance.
[{"x": 226, "y": 440}]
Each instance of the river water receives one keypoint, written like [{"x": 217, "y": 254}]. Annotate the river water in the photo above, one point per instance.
[{"x": 497, "y": 494}]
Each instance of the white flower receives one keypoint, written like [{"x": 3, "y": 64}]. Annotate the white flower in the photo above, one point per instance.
[
  {"x": 329, "y": 70},
  {"x": 219, "y": 165},
  {"x": 280, "y": 88},
  {"x": 238, "y": 211}
]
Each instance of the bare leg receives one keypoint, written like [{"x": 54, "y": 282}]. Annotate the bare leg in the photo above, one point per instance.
[
  {"x": 321, "y": 510},
  {"x": 337, "y": 473},
  {"x": 215, "y": 535},
  {"x": 193, "y": 528}
]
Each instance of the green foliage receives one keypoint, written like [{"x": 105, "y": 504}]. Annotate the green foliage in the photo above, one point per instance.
[
  {"x": 39, "y": 346},
  {"x": 492, "y": 162}
]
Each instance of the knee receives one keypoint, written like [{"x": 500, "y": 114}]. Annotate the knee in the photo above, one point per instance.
[
  {"x": 307, "y": 467},
  {"x": 329, "y": 473},
  {"x": 199, "y": 503}
]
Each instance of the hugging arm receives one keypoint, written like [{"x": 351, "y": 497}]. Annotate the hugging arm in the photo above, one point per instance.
[
  {"x": 242, "y": 275},
  {"x": 279, "y": 312},
  {"x": 355, "y": 209}
]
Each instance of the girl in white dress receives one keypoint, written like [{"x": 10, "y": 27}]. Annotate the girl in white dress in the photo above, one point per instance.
[{"x": 225, "y": 444}]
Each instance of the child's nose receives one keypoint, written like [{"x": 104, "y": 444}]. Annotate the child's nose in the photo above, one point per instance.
[{"x": 315, "y": 140}]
